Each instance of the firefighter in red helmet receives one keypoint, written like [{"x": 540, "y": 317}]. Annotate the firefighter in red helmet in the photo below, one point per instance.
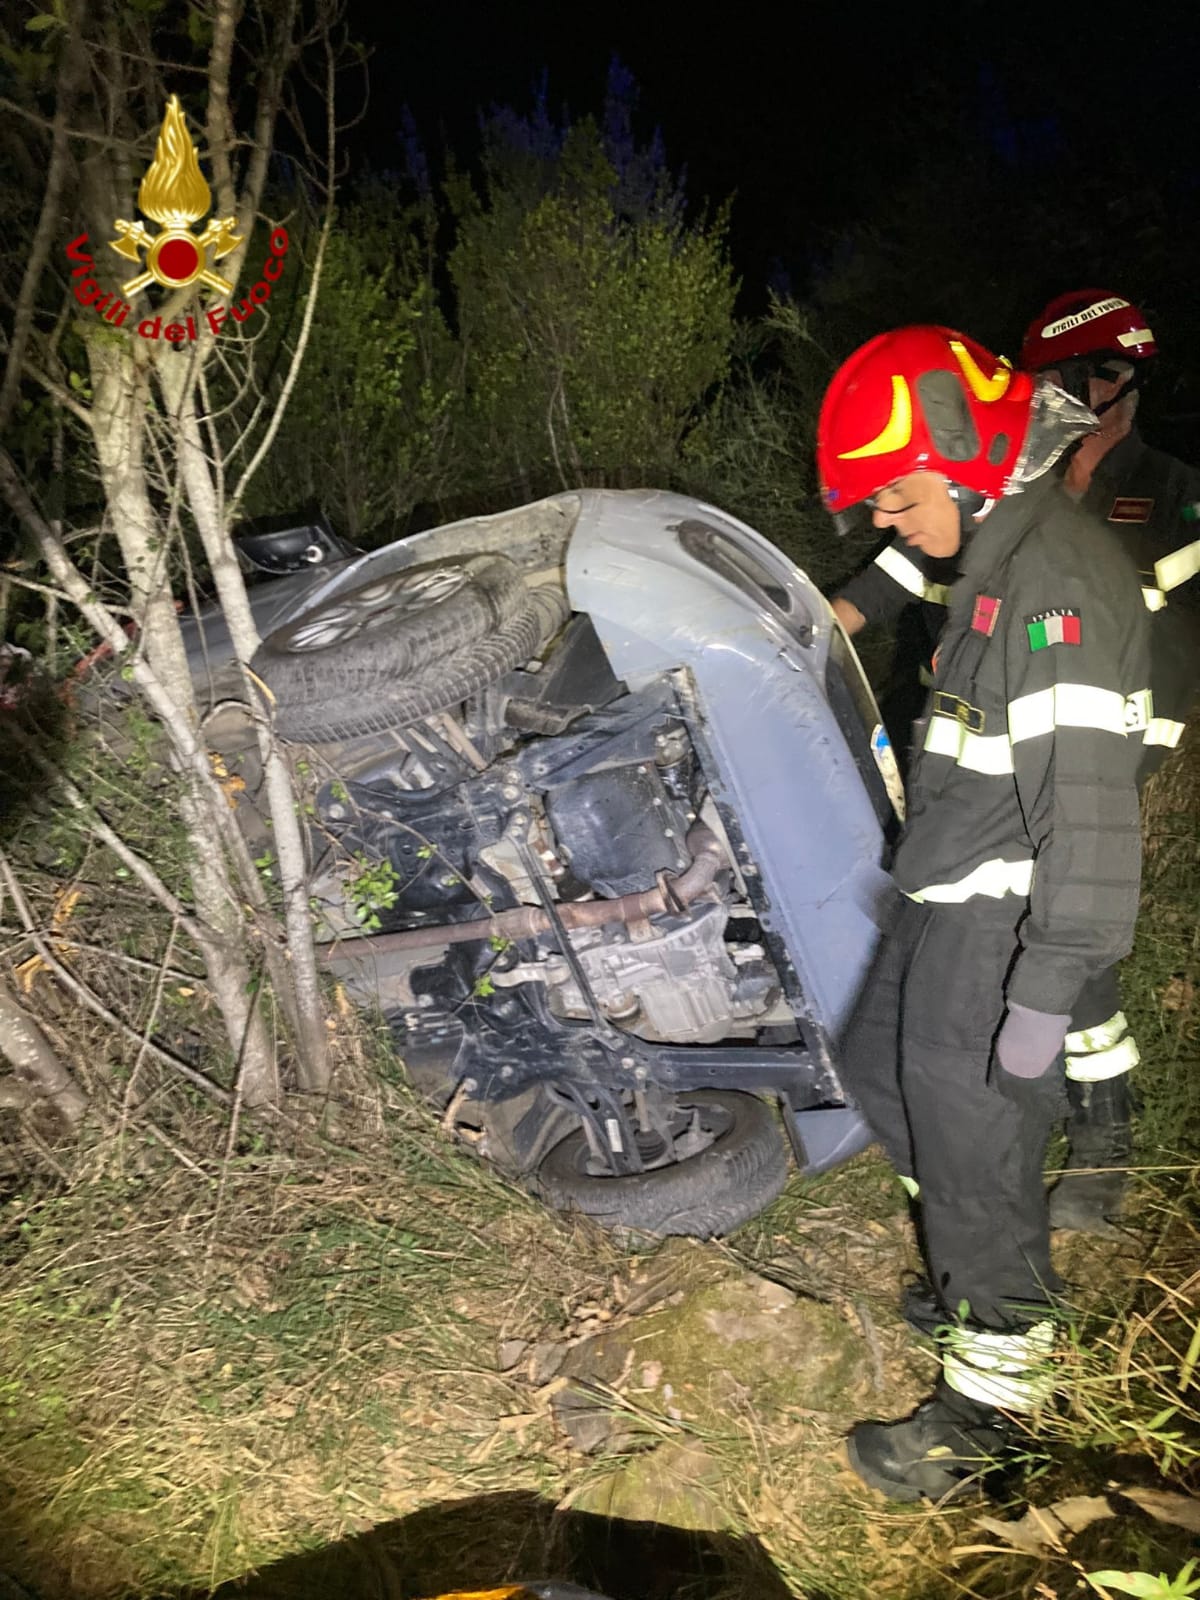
[
  {"x": 1099, "y": 347},
  {"x": 1018, "y": 865}
]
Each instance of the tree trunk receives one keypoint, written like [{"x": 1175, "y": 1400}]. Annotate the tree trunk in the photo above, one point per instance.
[
  {"x": 34, "y": 1059},
  {"x": 305, "y": 1012},
  {"x": 122, "y": 393}
]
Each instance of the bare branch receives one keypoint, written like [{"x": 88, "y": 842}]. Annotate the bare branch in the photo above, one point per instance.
[
  {"x": 27, "y": 1047},
  {"x": 220, "y": 122},
  {"x": 234, "y": 505},
  {"x": 65, "y": 398},
  {"x": 69, "y": 75},
  {"x": 155, "y": 1006},
  {"x": 92, "y": 1002},
  {"x": 48, "y": 126},
  {"x": 141, "y": 869},
  {"x": 190, "y": 750},
  {"x": 120, "y": 957},
  {"x": 37, "y": 588}
]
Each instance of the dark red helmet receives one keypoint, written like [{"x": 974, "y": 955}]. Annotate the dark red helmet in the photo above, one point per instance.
[
  {"x": 1089, "y": 325},
  {"x": 922, "y": 397}
]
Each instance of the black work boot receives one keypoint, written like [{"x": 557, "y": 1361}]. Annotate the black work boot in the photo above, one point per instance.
[
  {"x": 1100, "y": 1134},
  {"x": 921, "y": 1308},
  {"x": 941, "y": 1452}
]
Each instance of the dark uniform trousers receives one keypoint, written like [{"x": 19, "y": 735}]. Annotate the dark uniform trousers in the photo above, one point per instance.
[{"x": 917, "y": 1057}]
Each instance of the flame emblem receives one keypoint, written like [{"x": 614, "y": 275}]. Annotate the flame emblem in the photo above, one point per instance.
[
  {"x": 982, "y": 387},
  {"x": 896, "y": 431},
  {"x": 173, "y": 193}
]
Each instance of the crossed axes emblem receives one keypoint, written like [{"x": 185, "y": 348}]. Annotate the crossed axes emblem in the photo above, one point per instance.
[{"x": 134, "y": 238}]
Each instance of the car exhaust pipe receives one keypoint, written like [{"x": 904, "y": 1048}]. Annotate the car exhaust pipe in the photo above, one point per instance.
[{"x": 523, "y": 922}]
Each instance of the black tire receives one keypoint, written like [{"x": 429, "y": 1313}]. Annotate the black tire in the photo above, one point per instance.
[
  {"x": 443, "y": 683},
  {"x": 385, "y": 630},
  {"x": 706, "y": 1195}
]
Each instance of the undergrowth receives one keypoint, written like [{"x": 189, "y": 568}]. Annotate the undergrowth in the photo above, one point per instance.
[
  {"x": 198, "y": 1377},
  {"x": 216, "y": 1356}
]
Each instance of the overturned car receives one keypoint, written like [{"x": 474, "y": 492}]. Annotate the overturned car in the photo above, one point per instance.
[{"x": 604, "y": 808}]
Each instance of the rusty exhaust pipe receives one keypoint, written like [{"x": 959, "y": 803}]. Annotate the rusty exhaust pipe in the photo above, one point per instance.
[{"x": 523, "y": 922}]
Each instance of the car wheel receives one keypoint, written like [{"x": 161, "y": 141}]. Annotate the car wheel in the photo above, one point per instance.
[
  {"x": 741, "y": 1168},
  {"x": 403, "y": 646}
]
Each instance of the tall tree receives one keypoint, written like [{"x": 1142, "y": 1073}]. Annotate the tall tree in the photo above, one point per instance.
[
  {"x": 131, "y": 388},
  {"x": 595, "y": 317}
]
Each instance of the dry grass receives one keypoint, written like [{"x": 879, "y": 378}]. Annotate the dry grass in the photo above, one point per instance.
[
  {"x": 192, "y": 1387},
  {"x": 210, "y": 1363}
]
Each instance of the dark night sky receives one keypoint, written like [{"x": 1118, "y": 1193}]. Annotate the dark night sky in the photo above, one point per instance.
[{"x": 809, "y": 112}]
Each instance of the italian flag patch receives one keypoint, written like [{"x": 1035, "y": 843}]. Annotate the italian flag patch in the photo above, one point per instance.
[{"x": 1053, "y": 627}]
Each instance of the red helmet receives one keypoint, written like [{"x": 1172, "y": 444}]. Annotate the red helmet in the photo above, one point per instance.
[
  {"x": 920, "y": 397},
  {"x": 1086, "y": 324}
]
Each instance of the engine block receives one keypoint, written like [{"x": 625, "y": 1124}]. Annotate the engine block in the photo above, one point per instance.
[{"x": 676, "y": 982}]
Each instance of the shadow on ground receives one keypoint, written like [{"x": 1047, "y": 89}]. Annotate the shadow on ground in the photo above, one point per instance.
[{"x": 490, "y": 1540}]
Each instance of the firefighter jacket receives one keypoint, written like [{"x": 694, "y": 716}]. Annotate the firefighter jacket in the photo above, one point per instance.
[
  {"x": 898, "y": 577},
  {"x": 1143, "y": 495},
  {"x": 1025, "y": 782}
]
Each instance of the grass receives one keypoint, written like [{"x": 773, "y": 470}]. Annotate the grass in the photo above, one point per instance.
[
  {"x": 208, "y": 1369},
  {"x": 203, "y": 1388}
]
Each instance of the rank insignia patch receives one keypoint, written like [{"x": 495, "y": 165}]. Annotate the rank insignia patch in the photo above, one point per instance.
[
  {"x": 1130, "y": 508},
  {"x": 986, "y": 615},
  {"x": 949, "y": 705},
  {"x": 1060, "y": 626}
]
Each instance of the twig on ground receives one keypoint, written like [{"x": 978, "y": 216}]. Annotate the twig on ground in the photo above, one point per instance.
[
  {"x": 155, "y": 1003},
  {"x": 871, "y": 1335}
]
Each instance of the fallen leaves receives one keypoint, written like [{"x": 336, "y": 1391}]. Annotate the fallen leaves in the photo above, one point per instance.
[
  {"x": 1181, "y": 1510},
  {"x": 1044, "y": 1530}
]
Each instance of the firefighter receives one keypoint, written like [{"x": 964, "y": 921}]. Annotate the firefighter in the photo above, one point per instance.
[
  {"x": 1098, "y": 347},
  {"x": 1019, "y": 863}
]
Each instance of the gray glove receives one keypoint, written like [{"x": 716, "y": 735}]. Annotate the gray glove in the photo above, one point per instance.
[
  {"x": 1029, "y": 1041},
  {"x": 1026, "y": 1048}
]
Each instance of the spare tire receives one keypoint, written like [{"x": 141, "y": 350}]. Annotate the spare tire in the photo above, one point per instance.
[
  {"x": 396, "y": 701},
  {"x": 388, "y": 628}
]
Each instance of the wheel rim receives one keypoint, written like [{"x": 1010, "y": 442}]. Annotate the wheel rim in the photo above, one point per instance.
[
  {"x": 692, "y": 1122},
  {"x": 387, "y": 599}
]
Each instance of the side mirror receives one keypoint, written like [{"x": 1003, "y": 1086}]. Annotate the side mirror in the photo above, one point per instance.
[{"x": 280, "y": 545}]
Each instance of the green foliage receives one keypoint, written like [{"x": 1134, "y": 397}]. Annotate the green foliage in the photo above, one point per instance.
[
  {"x": 1146, "y": 1586},
  {"x": 752, "y": 451},
  {"x": 365, "y": 431},
  {"x": 593, "y": 337},
  {"x": 376, "y": 888}
]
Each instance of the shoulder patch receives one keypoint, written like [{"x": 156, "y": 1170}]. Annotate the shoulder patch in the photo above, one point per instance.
[
  {"x": 949, "y": 705},
  {"x": 1130, "y": 508},
  {"x": 986, "y": 614},
  {"x": 1059, "y": 626}
]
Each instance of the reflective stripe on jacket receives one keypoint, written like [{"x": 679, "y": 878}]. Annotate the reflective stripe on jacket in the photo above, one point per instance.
[
  {"x": 897, "y": 577},
  {"x": 1026, "y": 782},
  {"x": 1142, "y": 494}
]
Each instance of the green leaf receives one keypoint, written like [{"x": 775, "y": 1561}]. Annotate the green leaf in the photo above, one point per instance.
[
  {"x": 1136, "y": 1583},
  {"x": 1146, "y": 1586},
  {"x": 41, "y": 22},
  {"x": 199, "y": 29},
  {"x": 1160, "y": 1420}
]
